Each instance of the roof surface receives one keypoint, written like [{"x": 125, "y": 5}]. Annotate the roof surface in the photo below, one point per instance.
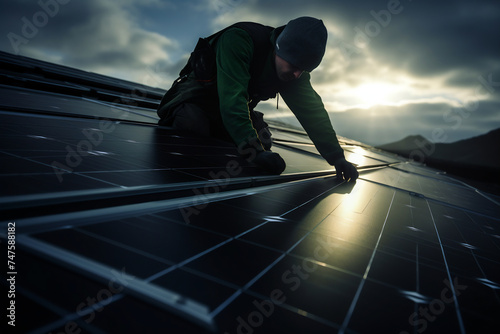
[{"x": 121, "y": 226}]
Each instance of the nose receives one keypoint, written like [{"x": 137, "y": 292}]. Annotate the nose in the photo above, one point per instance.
[{"x": 297, "y": 73}]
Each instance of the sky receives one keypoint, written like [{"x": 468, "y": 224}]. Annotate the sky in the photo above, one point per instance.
[{"x": 392, "y": 68}]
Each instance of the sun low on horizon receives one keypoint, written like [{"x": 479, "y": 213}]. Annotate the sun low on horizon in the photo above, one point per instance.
[{"x": 375, "y": 93}]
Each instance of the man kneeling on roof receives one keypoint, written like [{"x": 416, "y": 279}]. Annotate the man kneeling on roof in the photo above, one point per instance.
[{"x": 229, "y": 72}]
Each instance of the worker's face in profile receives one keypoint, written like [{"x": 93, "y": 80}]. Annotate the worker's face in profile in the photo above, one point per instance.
[{"x": 286, "y": 71}]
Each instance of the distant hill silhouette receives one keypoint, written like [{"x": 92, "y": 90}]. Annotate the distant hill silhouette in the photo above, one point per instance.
[{"x": 474, "y": 158}]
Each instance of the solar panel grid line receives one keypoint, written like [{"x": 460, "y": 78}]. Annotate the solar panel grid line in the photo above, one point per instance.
[
  {"x": 283, "y": 144},
  {"x": 82, "y": 195},
  {"x": 42, "y": 84},
  {"x": 25, "y": 113},
  {"x": 124, "y": 246},
  {"x": 36, "y": 154},
  {"x": 126, "y": 99},
  {"x": 48, "y": 305},
  {"x": 58, "y": 104},
  {"x": 483, "y": 273},
  {"x": 248, "y": 285},
  {"x": 297, "y": 310},
  {"x": 128, "y": 109},
  {"x": 417, "y": 170},
  {"x": 27, "y": 159},
  {"x": 265, "y": 270},
  {"x": 417, "y": 272},
  {"x": 100, "y": 180},
  {"x": 477, "y": 257},
  {"x": 347, "y": 319},
  {"x": 104, "y": 182},
  {"x": 56, "y": 325},
  {"x": 417, "y": 263},
  {"x": 30, "y": 91},
  {"x": 314, "y": 153},
  {"x": 440, "y": 179},
  {"x": 488, "y": 197},
  {"x": 436, "y": 200},
  {"x": 400, "y": 257},
  {"x": 228, "y": 301},
  {"x": 482, "y": 228},
  {"x": 188, "y": 260},
  {"x": 450, "y": 279},
  {"x": 71, "y": 318},
  {"x": 126, "y": 171}
]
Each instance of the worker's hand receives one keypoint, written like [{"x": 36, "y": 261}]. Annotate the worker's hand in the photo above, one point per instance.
[
  {"x": 346, "y": 170},
  {"x": 270, "y": 162}
]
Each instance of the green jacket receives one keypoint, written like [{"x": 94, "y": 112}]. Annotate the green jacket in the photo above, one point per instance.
[
  {"x": 234, "y": 49},
  {"x": 234, "y": 53}
]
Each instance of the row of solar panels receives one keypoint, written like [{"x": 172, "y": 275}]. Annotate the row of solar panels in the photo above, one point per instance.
[{"x": 124, "y": 226}]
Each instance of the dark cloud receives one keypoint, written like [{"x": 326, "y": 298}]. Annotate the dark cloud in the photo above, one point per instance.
[
  {"x": 93, "y": 35},
  {"x": 431, "y": 38}
]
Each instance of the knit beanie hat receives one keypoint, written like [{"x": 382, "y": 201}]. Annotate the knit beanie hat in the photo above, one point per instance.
[{"x": 302, "y": 43}]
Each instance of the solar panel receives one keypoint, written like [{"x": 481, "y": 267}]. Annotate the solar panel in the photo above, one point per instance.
[{"x": 124, "y": 226}]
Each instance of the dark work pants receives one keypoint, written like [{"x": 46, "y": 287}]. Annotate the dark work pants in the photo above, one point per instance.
[{"x": 190, "y": 117}]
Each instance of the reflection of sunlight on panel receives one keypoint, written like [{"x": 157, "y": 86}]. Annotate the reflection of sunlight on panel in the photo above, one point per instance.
[
  {"x": 311, "y": 215},
  {"x": 358, "y": 150},
  {"x": 356, "y": 157},
  {"x": 329, "y": 251},
  {"x": 348, "y": 221},
  {"x": 345, "y": 230},
  {"x": 351, "y": 204},
  {"x": 355, "y": 202}
]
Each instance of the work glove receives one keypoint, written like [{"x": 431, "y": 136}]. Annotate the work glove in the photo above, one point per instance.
[
  {"x": 345, "y": 170},
  {"x": 270, "y": 162}
]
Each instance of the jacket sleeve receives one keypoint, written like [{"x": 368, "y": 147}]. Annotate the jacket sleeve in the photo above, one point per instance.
[
  {"x": 234, "y": 52},
  {"x": 309, "y": 109}
]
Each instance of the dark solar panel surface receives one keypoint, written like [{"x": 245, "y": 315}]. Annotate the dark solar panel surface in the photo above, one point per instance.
[{"x": 122, "y": 226}]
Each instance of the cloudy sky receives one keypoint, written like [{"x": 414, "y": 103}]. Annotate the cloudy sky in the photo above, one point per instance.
[{"x": 392, "y": 68}]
